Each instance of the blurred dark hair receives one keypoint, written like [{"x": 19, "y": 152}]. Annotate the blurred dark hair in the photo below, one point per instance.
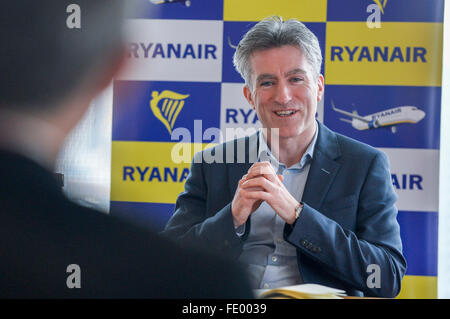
[{"x": 42, "y": 60}]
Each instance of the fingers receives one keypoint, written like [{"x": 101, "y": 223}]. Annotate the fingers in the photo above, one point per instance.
[
  {"x": 258, "y": 183},
  {"x": 263, "y": 169},
  {"x": 259, "y": 195},
  {"x": 242, "y": 180},
  {"x": 242, "y": 205},
  {"x": 262, "y": 184},
  {"x": 260, "y": 168}
]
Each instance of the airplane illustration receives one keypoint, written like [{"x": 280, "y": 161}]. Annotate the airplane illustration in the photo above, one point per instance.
[
  {"x": 187, "y": 3},
  {"x": 387, "y": 118}
]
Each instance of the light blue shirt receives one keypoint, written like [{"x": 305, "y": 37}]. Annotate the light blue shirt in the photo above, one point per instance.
[{"x": 272, "y": 262}]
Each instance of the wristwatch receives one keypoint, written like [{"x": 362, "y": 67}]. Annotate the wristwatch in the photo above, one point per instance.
[{"x": 298, "y": 210}]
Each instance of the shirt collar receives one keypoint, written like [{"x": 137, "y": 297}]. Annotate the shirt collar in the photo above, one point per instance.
[{"x": 265, "y": 154}]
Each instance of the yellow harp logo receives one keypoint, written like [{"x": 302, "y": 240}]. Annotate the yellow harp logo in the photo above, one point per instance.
[
  {"x": 381, "y": 5},
  {"x": 166, "y": 106}
]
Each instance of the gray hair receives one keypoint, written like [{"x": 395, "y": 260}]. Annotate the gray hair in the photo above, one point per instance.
[{"x": 273, "y": 32}]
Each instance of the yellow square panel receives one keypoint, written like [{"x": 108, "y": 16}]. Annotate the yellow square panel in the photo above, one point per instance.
[
  {"x": 256, "y": 10},
  {"x": 398, "y": 53},
  {"x": 151, "y": 172},
  {"x": 418, "y": 287}
]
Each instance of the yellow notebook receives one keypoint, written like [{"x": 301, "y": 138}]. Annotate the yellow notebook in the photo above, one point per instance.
[{"x": 305, "y": 291}]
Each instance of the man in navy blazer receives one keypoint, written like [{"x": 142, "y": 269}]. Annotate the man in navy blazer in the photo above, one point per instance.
[{"x": 301, "y": 204}]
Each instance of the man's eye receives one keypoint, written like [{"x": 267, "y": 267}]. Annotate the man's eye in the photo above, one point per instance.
[
  {"x": 296, "y": 80},
  {"x": 266, "y": 83}
]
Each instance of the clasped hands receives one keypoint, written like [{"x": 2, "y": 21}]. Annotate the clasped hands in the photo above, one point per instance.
[{"x": 261, "y": 183}]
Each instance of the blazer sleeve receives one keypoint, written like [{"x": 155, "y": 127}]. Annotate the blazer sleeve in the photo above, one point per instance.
[
  {"x": 375, "y": 241},
  {"x": 192, "y": 224}
]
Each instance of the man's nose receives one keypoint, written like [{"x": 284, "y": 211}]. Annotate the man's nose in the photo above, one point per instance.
[{"x": 284, "y": 94}]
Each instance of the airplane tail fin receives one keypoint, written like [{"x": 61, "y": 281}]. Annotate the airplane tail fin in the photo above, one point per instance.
[
  {"x": 332, "y": 105},
  {"x": 231, "y": 44}
]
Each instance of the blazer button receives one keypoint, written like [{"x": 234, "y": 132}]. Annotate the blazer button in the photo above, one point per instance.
[
  {"x": 317, "y": 249},
  {"x": 304, "y": 243}
]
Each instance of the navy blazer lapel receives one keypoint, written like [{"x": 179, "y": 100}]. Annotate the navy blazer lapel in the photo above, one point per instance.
[{"x": 324, "y": 168}]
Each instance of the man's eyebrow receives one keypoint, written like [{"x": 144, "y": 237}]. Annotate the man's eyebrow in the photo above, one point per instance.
[
  {"x": 265, "y": 76},
  {"x": 295, "y": 71}
]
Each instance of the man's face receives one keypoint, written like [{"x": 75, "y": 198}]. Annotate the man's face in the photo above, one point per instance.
[{"x": 284, "y": 91}]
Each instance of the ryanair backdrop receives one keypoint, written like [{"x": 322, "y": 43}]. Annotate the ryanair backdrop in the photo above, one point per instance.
[
  {"x": 157, "y": 127},
  {"x": 385, "y": 116},
  {"x": 382, "y": 68},
  {"x": 174, "y": 50},
  {"x": 407, "y": 54},
  {"x": 151, "y": 111}
]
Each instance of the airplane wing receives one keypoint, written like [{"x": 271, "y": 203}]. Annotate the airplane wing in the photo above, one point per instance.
[{"x": 356, "y": 116}]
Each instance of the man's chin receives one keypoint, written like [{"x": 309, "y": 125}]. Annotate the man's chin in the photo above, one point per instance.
[{"x": 284, "y": 133}]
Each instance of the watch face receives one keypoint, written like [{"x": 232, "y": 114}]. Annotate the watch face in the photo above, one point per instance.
[{"x": 298, "y": 210}]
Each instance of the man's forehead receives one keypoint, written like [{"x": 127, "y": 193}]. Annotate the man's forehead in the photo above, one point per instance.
[
  {"x": 299, "y": 64},
  {"x": 293, "y": 48}
]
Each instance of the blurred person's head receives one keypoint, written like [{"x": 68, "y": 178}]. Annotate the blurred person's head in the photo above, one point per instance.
[
  {"x": 43, "y": 61},
  {"x": 50, "y": 72}
]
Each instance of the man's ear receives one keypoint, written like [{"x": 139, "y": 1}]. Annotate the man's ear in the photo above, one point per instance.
[
  {"x": 320, "y": 87},
  {"x": 248, "y": 96}
]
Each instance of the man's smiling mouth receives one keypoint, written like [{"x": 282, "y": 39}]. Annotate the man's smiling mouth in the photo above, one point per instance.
[{"x": 285, "y": 113}]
